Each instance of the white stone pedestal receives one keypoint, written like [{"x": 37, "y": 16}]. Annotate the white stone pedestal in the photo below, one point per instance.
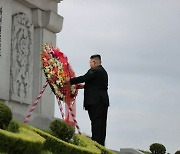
[{"x": 24, "y": 26}]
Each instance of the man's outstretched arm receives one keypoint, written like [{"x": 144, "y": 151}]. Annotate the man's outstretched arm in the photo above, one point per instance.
[{"x": 88, "y": 76}]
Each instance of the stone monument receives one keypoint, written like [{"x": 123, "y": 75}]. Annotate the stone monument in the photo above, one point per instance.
[{"x": 24, "y": 26}]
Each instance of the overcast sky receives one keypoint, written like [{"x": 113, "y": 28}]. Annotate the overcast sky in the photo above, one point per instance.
[{"x": 139, "y": 41}]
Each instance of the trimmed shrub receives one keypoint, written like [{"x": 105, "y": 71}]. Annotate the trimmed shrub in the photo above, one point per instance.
[
  {"x": 5, "y": 116},
  {"x": 57, "y": 146},
  {"x": 90, "y": 144},
  {"x": 157, "y": 148},
  {"x": 177, "y": 152},
  {"x": 25, "y": 141},
  {"x": 62, "y": 130},
  {"x": 33, "y": 140},
  {"x": 13, "y": 127},
  {"x": 76, "y": 141}
]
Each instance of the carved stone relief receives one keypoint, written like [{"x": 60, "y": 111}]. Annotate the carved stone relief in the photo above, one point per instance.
[
  {"x": 21, "y": 59},
  {"x": 0, "y": 27}
]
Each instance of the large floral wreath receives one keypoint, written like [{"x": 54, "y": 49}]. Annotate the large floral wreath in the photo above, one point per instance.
[{"x": 56, "y": 68}]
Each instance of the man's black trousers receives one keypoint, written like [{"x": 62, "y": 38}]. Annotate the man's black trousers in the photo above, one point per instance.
[{"x": 98, "y": 117}]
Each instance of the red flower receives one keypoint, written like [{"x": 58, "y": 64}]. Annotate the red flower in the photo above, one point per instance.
[
  {"x": 45, "y": 56},
  {"x": 51, "y": 56}
]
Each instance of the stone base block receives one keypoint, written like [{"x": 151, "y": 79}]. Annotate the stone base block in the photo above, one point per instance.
[
  {"x": 36, "y": 120},
  {"x": 129, "y": 151}
]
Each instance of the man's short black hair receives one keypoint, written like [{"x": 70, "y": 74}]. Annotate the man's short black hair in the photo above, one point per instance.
[{"x": 96, "y": 57}]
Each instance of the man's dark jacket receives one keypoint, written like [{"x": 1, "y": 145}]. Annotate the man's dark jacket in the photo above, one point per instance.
[{"x": 96, "y": 86}]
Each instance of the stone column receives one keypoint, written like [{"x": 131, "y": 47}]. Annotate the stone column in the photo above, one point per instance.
[
  {"x": 24, "y": 26},
  {"x": 5, "y": 49},
  {"x": 46, "y": 23}
]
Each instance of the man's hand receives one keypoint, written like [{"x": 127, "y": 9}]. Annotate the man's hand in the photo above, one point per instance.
[
  {"x": 80, "y": 86},
  {"x": 67, "y": 80}
]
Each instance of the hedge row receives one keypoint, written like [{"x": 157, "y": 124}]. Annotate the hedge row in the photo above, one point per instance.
[
  {"x": 24, "y": 142},
  {"x": 57, "y": 146},
  {"x": 33, "y": 140}
]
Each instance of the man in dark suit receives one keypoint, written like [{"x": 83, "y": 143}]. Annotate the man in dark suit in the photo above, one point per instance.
[{"x": 96, "y": 99}]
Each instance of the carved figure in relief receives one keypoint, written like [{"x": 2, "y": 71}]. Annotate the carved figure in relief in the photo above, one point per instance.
[{"x": 21, "y": 63}]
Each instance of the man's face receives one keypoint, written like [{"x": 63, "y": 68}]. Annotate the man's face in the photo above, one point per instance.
[{"x": 92, "y": 63}]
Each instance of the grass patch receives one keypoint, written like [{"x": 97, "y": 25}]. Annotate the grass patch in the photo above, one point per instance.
[{"x": 33, "y": 140}]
